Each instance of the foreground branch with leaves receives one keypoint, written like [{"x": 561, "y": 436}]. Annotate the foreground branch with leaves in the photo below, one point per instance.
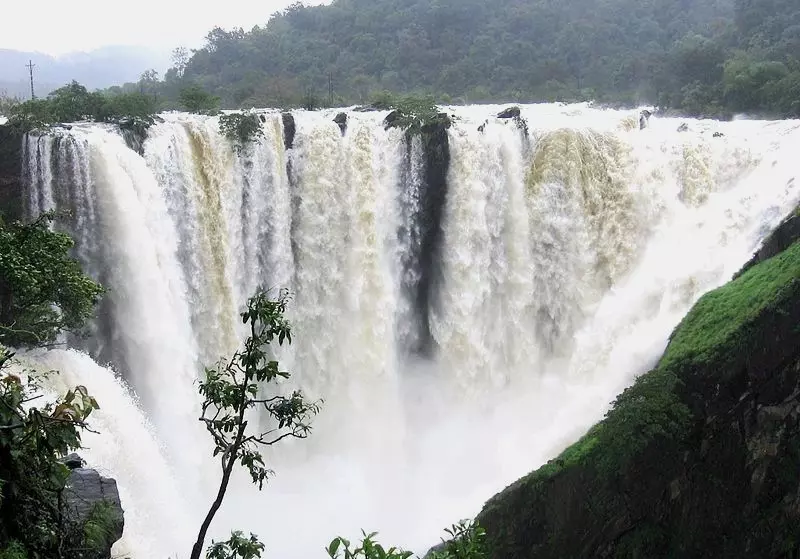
[
  {"x": 466, "y": 541},
  {"x": 231, "y": 392}
]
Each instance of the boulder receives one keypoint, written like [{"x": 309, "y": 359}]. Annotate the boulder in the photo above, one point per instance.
[
  {"x": 341, "y": 120},
  {"x": 717, "y": 135},
  {"x": 88, "y": 496},
  {"x": 511, "y": 112}
]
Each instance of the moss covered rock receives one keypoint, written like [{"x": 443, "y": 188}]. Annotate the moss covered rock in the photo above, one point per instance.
[{"x": 700, "y": 457}]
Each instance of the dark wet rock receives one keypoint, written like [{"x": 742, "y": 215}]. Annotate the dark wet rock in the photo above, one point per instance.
[
  {"x": 341, "y": 120},
  {"x": 289, "y": 129},
  {"x": 644, "y": 119},
  {"x": 510, "y": 112},
  {"x": 88, "y": 496}
]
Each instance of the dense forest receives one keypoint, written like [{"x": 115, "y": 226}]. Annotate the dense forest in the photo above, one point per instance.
[{"x": 700, "y": 57}]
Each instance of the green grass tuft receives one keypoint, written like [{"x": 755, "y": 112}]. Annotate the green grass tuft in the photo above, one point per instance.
[{"x": 715, "y": 324}]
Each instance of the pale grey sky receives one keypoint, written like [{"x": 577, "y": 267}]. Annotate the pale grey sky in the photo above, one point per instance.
[{"x": 58, "y": 26}]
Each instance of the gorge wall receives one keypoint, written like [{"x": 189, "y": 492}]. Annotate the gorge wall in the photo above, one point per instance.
[{"x": 700, "y": 457}]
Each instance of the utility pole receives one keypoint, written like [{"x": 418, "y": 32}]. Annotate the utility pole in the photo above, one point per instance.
[{"x": 30, "y": 65}]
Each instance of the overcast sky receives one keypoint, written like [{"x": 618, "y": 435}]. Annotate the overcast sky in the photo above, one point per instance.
[{"x": 60, "y": 26}]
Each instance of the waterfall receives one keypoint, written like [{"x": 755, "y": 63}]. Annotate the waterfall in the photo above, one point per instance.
[{"x": 465, "y": 314}]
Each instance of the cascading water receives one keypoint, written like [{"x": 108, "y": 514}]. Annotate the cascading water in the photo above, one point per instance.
[{"x": 545, "y": 275}]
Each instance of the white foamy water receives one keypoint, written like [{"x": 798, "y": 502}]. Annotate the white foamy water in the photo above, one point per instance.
[{"x": 559, "y": 265}]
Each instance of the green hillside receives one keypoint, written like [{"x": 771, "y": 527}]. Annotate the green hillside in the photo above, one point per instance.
[{"x": 700, "y": 57}]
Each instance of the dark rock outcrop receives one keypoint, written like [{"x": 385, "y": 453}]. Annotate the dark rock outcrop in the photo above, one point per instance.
[
  {"x": 10, "y": 173},
  {"x": 510, "y": 112},
  {"x": 683, "y": 127},
  {"x": 700, "y": 457},
  {"x": 436, "y": 147},
  {"x": 421, "y": 273},
  {"x": 392, "y": 118},
  {"x": 644, "y": 119},
  {"x": 341, "y": 120},
  {"x": 134, "y": 132},
  {"x": 89, "y": 497},
  {"x": 289, "y": 129}
]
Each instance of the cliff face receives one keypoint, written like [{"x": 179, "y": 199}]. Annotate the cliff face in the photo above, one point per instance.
[
  {"x": 10, "y": 173},
  {"x": 701, "y": 457}
]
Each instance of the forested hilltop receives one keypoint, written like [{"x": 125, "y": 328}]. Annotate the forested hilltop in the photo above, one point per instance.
[{"x": 701, "y": 57}]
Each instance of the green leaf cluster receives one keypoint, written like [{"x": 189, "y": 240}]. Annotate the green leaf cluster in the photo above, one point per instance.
[
  {"x": 368, "y": 549},
  {"x": 241, "y": 128},
  {"x": 411, "y": 113},
  {"x": 236, "y": 546},
  {"x": 195, "y": 99},
  {"x": 467, "y": 540},
  {"x": 42, "y": 289}
]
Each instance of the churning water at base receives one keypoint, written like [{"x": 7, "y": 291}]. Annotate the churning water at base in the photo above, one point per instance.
[{"x": 547, "y": 272}]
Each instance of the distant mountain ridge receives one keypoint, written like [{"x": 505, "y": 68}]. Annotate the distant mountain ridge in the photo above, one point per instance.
[{"x": 99, "y": 68}]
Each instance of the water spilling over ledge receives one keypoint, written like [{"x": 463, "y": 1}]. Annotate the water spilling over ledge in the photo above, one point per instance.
[{"x": 461, "y": 332}]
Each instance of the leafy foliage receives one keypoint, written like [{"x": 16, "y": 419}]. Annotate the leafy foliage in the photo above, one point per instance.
[
  {"x": 195, "y": 99},
  {"x": 232, "y": 389},
  {"x": 241, "y": 129},
  {"x": 42, "y": 290},
  {"x": 466, "y": 541},
  {"x": 369, "y": 549},
  {"x": 236, "y": 546},
  {"x": 99, "y": 530},
  {"x": 7, "y": 104},
  {"x": 32, "y": 439},
  {"x": 73, "y": 103},
  {"x": 411, "y": 113}
]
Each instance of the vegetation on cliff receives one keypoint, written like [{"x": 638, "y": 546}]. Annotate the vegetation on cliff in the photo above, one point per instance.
[
  {"x": 74, "y": 103},
  {"x": 241, "y": 129},
  {"x": 42, "y": 292},
  {"x": 692, "y": 460}
]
